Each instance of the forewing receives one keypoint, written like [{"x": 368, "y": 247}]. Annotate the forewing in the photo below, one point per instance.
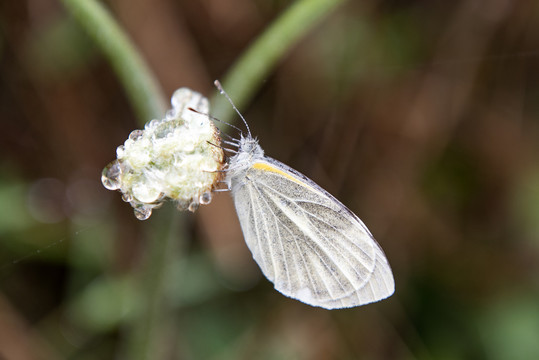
[{"x": 306, "y": 242}]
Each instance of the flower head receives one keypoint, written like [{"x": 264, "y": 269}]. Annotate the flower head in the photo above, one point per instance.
[{"x": 177, "y": 158}]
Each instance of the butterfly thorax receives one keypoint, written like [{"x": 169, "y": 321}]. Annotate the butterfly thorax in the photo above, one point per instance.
[{"x": 249, "y": 152}]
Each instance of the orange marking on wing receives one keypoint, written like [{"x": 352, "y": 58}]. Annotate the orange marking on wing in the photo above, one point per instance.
[{"x": 271, "y": 168}]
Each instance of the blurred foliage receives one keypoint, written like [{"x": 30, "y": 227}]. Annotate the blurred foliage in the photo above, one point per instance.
[{"x": 421, "y": 116}]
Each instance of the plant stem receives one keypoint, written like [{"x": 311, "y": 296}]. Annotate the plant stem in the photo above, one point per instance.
[
  {"x": 147, "y": 98},
  {"x": 148, "y": 339},
  {"x": 141, "y": 87},
  {"x": 262, "y": 56}
]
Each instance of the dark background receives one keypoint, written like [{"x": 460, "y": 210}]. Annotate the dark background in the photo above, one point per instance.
[{"x": 420, "y": 116}]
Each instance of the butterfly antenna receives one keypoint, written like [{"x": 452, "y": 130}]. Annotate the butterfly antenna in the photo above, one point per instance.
[
  {"x": 215, "y": 119},
  {"x": 223, "y": 92}
]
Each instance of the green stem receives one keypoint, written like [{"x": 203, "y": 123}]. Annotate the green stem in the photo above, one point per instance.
[
  {"x": 147, "y": 98},
  {"x": 256, "y": 63},
  {"x": 155, "y": 323},
  {"x": 140, "y": 85}
]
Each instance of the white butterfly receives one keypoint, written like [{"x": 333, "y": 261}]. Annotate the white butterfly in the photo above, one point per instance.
[{"x": 306, "y": 242}]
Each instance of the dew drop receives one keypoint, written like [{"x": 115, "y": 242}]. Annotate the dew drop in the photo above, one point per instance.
[
  {"x": 142, "y": 212},
  {"x": 136, "y": 134},
  {"x": 111, "y": 175},
  {"x": 127, "y": 197},
  {"x": 150, "y": 125},
  {"x": 146, "y": 191},
  {"x": 170, "y": 115},
  {"x": 180, "y": 97},
  {"x": 120, "y": 151},
  {"x": 193, "y": 206},
  {"x": 182, "y": 205},
  {"x": 205, "y": 198},
  {"x": 162, "y": 132}
]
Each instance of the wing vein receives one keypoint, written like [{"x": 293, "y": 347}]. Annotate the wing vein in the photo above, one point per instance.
[
  {"x": 284, "y": 226},
  {"x": 312, "y": 244},
  {"x": 255, "y": 223},
  {"x": 354, "y": 219}
]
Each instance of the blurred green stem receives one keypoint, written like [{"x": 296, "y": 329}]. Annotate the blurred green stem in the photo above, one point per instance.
[
  {"x": 147, "y": 98},
  {"x": 249, "y": 71},
  {"x": 155, "y": 322},
  {"x": 141, "y": 86}
]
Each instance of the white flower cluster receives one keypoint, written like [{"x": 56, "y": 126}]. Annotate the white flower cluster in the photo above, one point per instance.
[{"x": 177, "y": 158}]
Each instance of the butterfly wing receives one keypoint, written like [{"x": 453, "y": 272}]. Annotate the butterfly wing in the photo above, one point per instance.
[{"x": 306, "y": 242}]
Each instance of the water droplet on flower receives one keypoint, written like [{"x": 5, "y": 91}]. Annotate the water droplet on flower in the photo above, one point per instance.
[
  {"x": 205, "y": 198},
  {"x": 120, "y": 151},
  {"x": 135, "y": 135},
  {"x": 111, "y": 175},
  {"x": 150, "y": 125},
  {"x": 180, "y": 97},
  {"x": 162, "y": 131},
  {"x": 170, "y": 115},
  {"x": 193, "y": 206},
  {"x": 127, "y": 197},
  {"x": 142, "y": 212},
  {"x": 145, "y": 191},
  {"x": 182, "y": 205}
]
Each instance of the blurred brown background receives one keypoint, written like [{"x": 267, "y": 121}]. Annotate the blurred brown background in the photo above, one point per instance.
[{"x": 420, "y": 116}]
